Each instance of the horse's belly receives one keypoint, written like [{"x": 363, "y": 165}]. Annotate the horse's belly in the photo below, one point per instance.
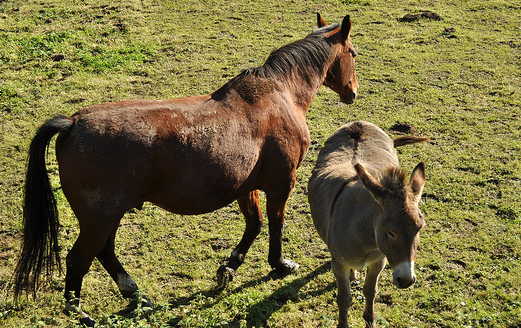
[
  {"x": 189, "y": 202},
  {"x": 196, "y": 187}
]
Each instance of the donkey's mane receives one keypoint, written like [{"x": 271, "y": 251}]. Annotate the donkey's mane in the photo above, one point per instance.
[
  {"x": 301, "y": 56},
  {"x": 395, "y": 180}
]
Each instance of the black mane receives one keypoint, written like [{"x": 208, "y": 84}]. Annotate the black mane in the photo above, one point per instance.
[
  {"x": 310, "y": 53},
  {"x": 305, "y": 58}
]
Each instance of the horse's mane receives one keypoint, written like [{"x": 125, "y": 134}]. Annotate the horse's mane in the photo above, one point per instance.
[
  {"x": 306, "y": 58},
  {"x": 301, "y": 56}
]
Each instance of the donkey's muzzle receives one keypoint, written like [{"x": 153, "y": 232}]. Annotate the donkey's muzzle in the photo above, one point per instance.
[{"x": 403, "y": 275}]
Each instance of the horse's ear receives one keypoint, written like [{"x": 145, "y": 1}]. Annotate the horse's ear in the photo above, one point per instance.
[
  {"x": 377, "y": 190},
  {"x": 417, "y": 180},
  {"x": 320, "y": 21},
  {"x": 346, "y": 27}
]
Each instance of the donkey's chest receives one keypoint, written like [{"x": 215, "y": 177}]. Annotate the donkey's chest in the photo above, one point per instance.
[{"x": 355, "y": 256}]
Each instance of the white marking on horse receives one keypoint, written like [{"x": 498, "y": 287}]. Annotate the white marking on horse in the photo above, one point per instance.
[{"x": 126, "y": 283}]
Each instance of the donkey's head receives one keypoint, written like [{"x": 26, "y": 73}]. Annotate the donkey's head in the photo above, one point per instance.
[
  {"x": 341, "y": 74},
  {"x": 397, "y": 231}
]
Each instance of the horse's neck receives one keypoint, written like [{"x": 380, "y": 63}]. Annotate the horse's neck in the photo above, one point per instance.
[{"x": 304, "y": 89}]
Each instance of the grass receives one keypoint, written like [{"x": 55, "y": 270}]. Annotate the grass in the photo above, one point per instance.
[{"x": 456, "y": 79}]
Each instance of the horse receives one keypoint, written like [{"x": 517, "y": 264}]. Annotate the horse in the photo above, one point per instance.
[
  {"x": 365, "y": 211},
  {"x": 188, "y": 156}
]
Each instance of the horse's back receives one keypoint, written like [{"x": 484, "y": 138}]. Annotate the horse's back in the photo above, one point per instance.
[{"x": 169, "y": 152}]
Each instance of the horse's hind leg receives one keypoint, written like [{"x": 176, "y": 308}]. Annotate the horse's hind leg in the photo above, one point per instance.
[
  {"x": 250, "y": 207},
  {"x": 79, "y": 259},
  {"x": 126, "y": 285}
]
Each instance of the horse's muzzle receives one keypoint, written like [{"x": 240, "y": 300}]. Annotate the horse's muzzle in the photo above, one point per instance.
[{"x": 348, "y": 98}]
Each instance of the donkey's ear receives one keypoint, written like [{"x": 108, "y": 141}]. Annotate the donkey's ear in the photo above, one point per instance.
[
  {"x": 346, "y": 27},
  {"x": 418, "y": 179},
  {"x": 320, "y": 21},
  {"x": 377, "y": 190}
]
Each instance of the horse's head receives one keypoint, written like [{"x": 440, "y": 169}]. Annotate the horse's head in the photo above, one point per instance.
[
  {"x": 341, "y": 73},
  {"x": 397, "y": 233}
]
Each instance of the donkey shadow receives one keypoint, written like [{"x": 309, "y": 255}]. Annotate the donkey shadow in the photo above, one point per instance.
[{"x": 259, "y": 313}]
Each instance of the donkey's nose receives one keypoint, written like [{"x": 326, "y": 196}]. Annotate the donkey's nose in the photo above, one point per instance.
[
  {"x": 403, "y": 275},
  {"x": 404, "y": 282}
]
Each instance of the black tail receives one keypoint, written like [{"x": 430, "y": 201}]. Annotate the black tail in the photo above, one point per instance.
[
  {"x": 40, "y": 215},
  {"x": 405, "y": 140}
]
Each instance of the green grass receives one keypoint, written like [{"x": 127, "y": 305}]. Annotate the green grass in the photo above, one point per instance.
[{"x": 457, "y": 80}]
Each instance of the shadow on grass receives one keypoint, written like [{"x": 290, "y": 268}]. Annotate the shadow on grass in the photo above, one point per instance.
[{"x": 259, "y": 313}]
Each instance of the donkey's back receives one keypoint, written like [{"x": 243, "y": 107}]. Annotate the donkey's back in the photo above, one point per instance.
[{"x": 356, "y": 142}]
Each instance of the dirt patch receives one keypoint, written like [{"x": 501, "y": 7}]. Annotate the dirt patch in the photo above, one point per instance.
[
  {"x": 403, "y": 128},
  {"x": 416, "y": 17},
  {"x": 9, "y": 242},
  {"x": 219, "y": 243}
]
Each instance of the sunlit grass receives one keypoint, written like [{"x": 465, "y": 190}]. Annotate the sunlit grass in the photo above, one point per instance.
[{"x": 456, "y": 80}]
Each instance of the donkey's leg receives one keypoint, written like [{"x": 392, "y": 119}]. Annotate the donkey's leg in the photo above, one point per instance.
[
  {"x": 370, "y": 289},
  {"x": 344, "y": 298},
  {"x": 79, "y": 259},
  {"x": 250, "y": 207},
  {"x": 276, "y": 199}
]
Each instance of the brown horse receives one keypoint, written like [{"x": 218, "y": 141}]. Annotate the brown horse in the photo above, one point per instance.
[
  {"x": 365, "y": 211},
  {"x": 189, "y": 156}
]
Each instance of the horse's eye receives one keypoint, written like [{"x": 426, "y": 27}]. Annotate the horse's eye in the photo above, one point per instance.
[
  {"x": 353, "y": 52},
  {"x": 390, "y": 234}
]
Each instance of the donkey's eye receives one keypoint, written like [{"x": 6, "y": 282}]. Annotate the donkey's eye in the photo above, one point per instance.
[{"x": 390, "y": 234}]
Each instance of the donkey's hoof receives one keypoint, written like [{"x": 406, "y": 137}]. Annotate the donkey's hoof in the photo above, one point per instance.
[
  {"x": 224, "y": 276},
  {"x": 286, "y": 267}
]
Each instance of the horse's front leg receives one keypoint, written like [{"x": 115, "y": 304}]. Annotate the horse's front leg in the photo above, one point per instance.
[
  {"x": 276, "y": 199},
  {"x": 250, "y": 207}
]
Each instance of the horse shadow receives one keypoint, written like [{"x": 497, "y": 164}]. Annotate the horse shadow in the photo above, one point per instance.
[{"x": 259, "y": 313}]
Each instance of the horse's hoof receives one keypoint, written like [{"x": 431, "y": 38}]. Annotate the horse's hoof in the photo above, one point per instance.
[
  {"x": 73, "y": 308},
  {"x": 142, "y": 302},
  {"x": 287, "y": 267},
  {"x": 87, "y": 321},
  {"x": 224, "y": 276}
]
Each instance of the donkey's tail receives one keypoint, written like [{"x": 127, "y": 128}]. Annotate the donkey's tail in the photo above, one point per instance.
[
  {"x": 405, "y": 140},
  {"x": 40, "y": 214}
]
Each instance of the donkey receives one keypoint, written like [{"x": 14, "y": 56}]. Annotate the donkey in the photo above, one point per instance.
[{"x": 365, "y": 211}]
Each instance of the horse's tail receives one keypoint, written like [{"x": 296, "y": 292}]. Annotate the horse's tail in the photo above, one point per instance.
[
  {"x": 405, "y": 140},
  {"x": 40, "y": 214}
]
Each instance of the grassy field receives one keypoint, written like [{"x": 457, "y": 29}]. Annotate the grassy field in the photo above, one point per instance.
[{"x": 457, "y": 79}]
